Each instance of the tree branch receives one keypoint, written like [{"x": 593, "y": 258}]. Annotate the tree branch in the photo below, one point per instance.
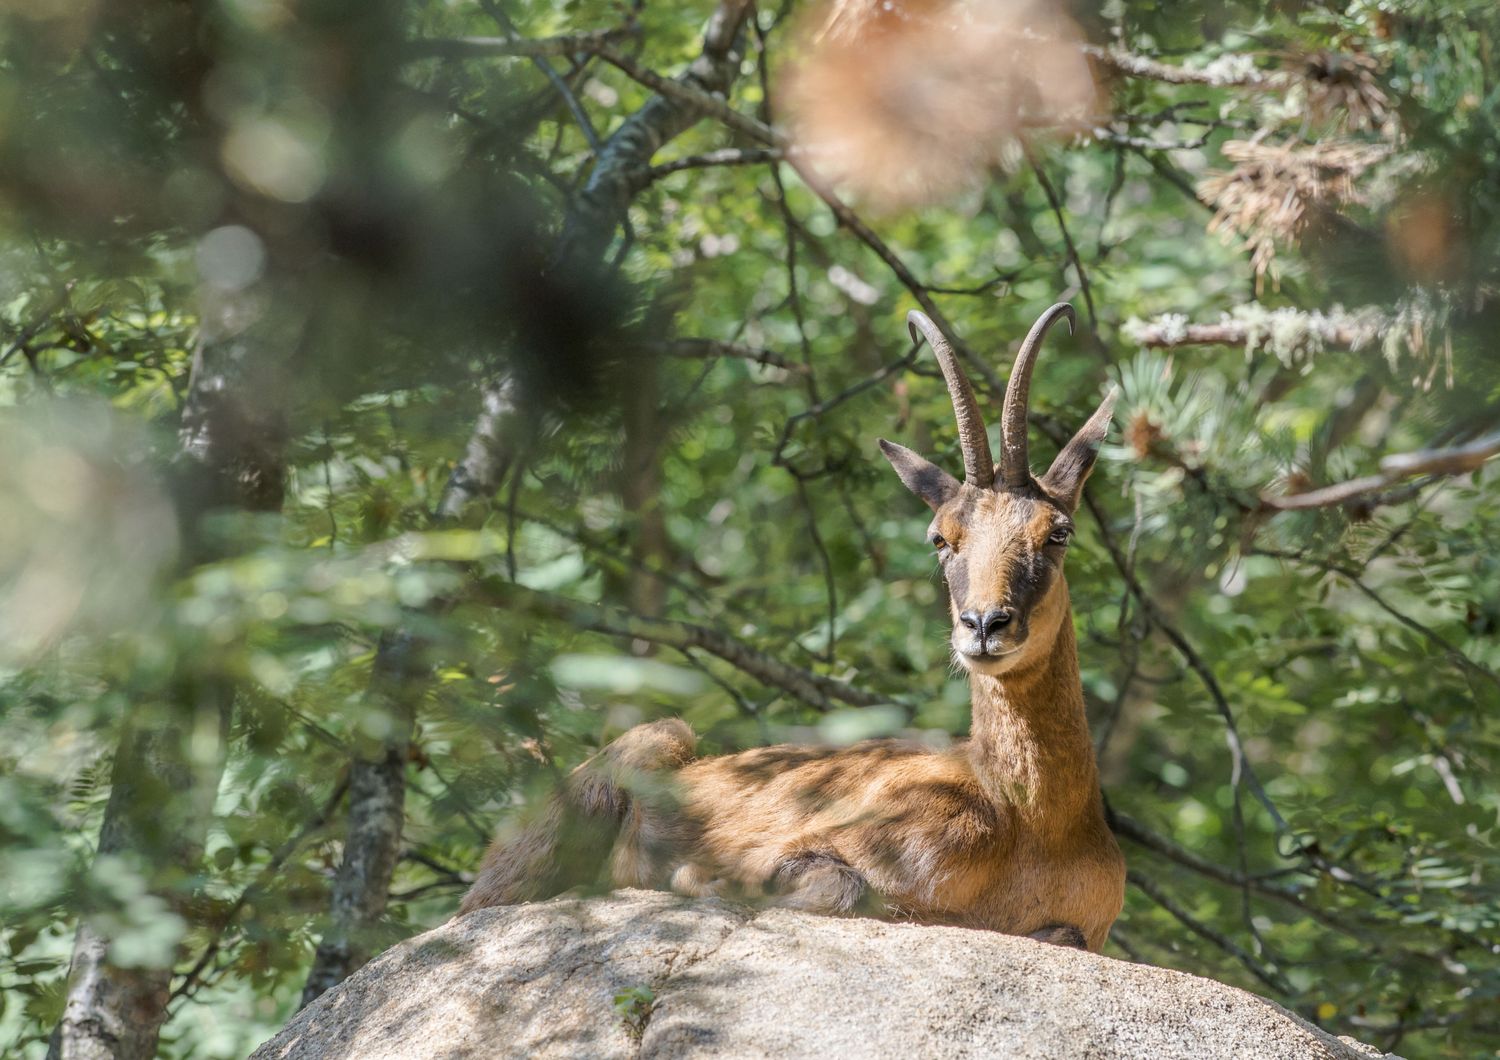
[
  {"x": 1436, "y": 463},
  {"x": 817, "y": 691},
  {"x": 273, "y": 865},
  {"x": 1231, "y": 70},
  {"x": 728, "y": 156},
  {"x": 1133, "y": 830},
  {"x": 1340, "y": 331},
  {"x": 1243, "y": 771},
  {"x": 707, "y": 349},
  {"x": 920, "y": 291},
  {"x": 1353, "y": 578},
  {"x": 590, "y": 42},
  {"x": 623, "y": 166},
  {"x": 1266, "y": 975}
]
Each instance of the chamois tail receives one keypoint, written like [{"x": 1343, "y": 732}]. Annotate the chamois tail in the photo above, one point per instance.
[{"x": 620, "y": 798}]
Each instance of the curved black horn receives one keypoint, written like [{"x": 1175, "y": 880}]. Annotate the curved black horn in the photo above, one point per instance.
[
  {"x": 1015, "y": 466},
  {"x": 973, "y": 439}
]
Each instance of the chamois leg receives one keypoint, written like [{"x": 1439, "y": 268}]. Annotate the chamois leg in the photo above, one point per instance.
[
  {"x": 822, "y": 883},
  {"x": 695, "y": 881},
  {"x": 654, "y": 833},
  {"x": 1060, "y": 935},
  {"x": 622, "y": 795}
]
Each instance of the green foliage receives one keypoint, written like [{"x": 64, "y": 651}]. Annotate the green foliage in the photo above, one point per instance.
[
  {"x": 400, "y": 217},
  {"x": 633, "y": 1006}
]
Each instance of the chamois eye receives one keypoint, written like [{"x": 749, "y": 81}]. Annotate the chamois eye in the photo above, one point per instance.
[
  {"x": 939, "y": 542},
  {"x": 1060, "y": 535}
]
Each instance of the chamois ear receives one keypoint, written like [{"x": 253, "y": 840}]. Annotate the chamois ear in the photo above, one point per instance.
[
  {"x": 1065, "y": 478},
  {"x": 921, "y": 476}
]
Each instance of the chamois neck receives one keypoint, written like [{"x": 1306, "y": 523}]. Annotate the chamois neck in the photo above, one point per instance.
[{"x": 1029, "y": 741}]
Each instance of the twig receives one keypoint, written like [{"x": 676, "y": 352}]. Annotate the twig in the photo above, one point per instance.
[
  {"x": 728, "y": 156},
  {"x": 194, "y": 974},
  {"x": 998, "y": 280},
  {"x": 1173, "y": 176},
  {"x": 829, "y": 583},
  {"x": 569, "y": 97},
  {"x": 1194, "y": 661},
  {"x": 816, "y": 690},
  {"x": 855, "y": 389},
  {"x": 436, "y": 866},
  {"x": 920, "y": 291},
  {"x": 704, "y": 349},
  {"x": 1352, "y": 576},
  {"x": 590, "y": 42},
  {"x": 42, "y": 319},
  {"x": 1074, "y": 258},
  {"x": 1218, "y": 938},
  {"x": 1138, "y": 833}
]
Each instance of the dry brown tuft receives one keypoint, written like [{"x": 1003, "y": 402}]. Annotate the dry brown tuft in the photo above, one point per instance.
[
  {"x": 1426, "y": 237},
  {"x": 1143, "y": 434},
  {"x": 1343, "y": 88},
  {"x": 907, "y": 104},
  {"x": 1276, "y": 193}
]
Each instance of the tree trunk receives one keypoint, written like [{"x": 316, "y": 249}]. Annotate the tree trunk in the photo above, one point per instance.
[
  {"x": 156, "y": 818},
  {"x": 377, "y": 810},
  {"x": 232, "y": 454},
  {"x": 377, "y": 775},
  {"x": 370, "y": 847}
]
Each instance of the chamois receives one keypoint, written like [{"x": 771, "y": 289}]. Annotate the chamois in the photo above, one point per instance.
[{"x": 1003, "y": 831}]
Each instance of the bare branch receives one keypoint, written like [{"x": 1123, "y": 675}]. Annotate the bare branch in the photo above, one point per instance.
[
  {"x": 817, "y": 691},
  {"x": 1074, "y": 258},
  {"x": 623, "y": 166},
  {"x": 728, "y": 156},
  {"x": 1432, "y": 462},
  {"x": 707, "y": 349},
  {"x": 569, "y": 97},
  {"x": 853, "y": 390},
  {"x": 1133, "y": 830},
  {"x": 318, "y": 821},
  {"x": 1269, "y": 976},
  {"x": 514, "y": 47},
  {"x": 920, "y": 291},
  {"x": 1244, "y": 772},
  {"x": 708, "y": 104},
  {"x": 1352, "y": 576}
]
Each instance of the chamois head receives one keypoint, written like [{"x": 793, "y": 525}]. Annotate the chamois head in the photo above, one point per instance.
[{"x": 1001, "y": 535}]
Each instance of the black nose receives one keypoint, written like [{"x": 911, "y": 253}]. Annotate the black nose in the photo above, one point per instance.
[{"x": 996, "y": 618}]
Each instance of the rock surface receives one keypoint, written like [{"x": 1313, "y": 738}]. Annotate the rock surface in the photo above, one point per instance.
[{"x": 647, "y": 974}]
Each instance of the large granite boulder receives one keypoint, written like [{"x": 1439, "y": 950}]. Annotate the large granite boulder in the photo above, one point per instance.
[{"x": 647, "y": 974}]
